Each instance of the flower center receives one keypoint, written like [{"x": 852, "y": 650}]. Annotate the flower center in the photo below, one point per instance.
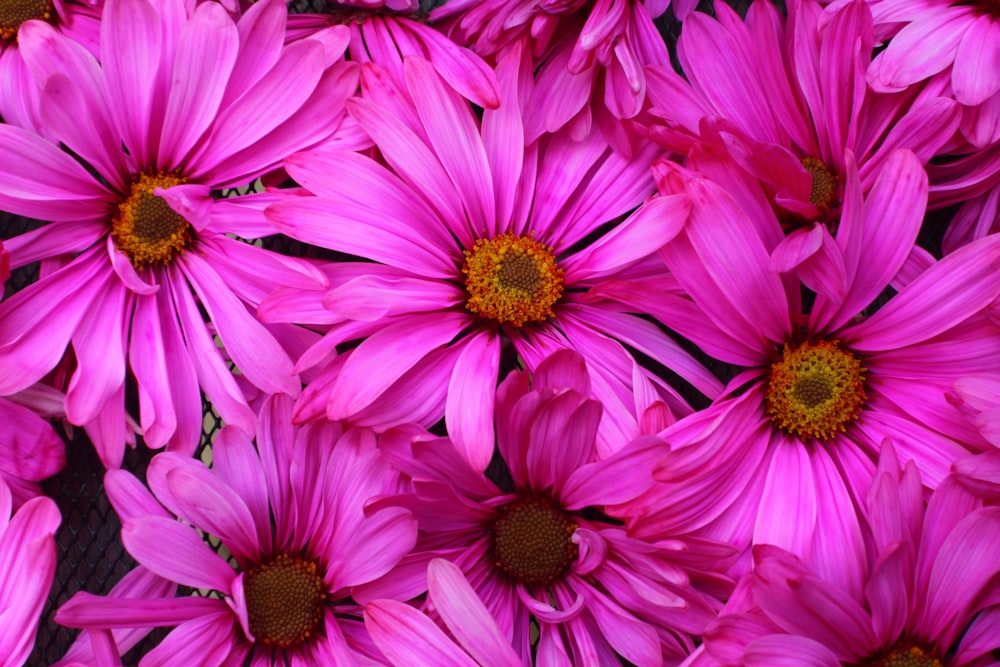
[
  {"x": 146, "y": 229},
  {"x": 285, "y": 600},
  {"x": 824, "y": 184},
  {"x": 512, "y": 279},
  {"x": 15, "y": 12},
  {"x": 905, "y": 654},
  {"x": 532, "y": 542},
  {"x": 814, "y": 391}
]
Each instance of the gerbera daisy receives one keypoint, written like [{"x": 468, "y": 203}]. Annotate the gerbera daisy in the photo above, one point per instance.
[
  {"x": 409, "y": 638},
  {"x": 534, "y": 540},
  {"x": 80, "y": 20},
  {"x": 292, "y": 514},
  {"x": 182, "y": 104},
  {"x": 784, "y": 100},
  {"x": 929, "y": 599},
  {"x": 822, "y": 387},
  {"x": 27, "y": 563},
  {"x": 478, "y": 240},
  {"x": 959, "y": 40}
]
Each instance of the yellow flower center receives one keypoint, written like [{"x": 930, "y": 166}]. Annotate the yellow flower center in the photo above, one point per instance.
[
  {"x": 285, "y": 600},
  {"x": 15, "y": 12},
  {"x": 531, "y": 541},
  {"x": 814, "y": 391},
  {"x": 905, "y": 654},
  {"x": 512, "y": 279},
  {"x": 824, "y": 184},
  {"x": 146, "y": 229}
]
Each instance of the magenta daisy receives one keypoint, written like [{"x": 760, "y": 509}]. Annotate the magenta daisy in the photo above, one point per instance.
[
  {"x": 534, "y": 538},
  {"x": 183, "y": 104},
  {"x": 590, "y": 56},
  {"x": 958, "y": 40},
  {"x": 409, "y": 638},
  {"x": 930, "y": 598},
  {"x": 792, "y": 445},
  {"x": 479, "y": 241},
  {"x": 292, "y": 515},
  {"x": 784, "y": 100},
  {"x": 27, "y": 563},
  {"x": 80, "y": 20}
]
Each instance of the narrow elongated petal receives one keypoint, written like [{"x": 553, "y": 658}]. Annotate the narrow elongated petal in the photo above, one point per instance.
[
  {"x": 406, "y": 637},
  {"x": 471, "y": 393},
  {"x": 176, "y": 552}
]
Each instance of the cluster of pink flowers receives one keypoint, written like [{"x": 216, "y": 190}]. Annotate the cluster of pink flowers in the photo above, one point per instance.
[{"x": 588, "y": 357}]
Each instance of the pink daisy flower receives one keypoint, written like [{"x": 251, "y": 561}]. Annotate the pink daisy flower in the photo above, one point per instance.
[
  {"x": 590, "y": 56},
  {"x": 784, "y": 100},
  {"x": 80, "y": 20},
  {"x": 182, "y": 104},
  {"x": 930, "y": 597},
  {"x": 534, "y": 539},
  {"x": 292, "y": 515},
  {"x": 27, "y": 563},
  {"x": 479, "y": 241},
  {"x": 791, "y": 445},
  {"x": 958, "y": 40},
  {"x": 409, "y": 638}
]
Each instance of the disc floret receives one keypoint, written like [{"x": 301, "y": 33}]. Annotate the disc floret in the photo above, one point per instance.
[{"x": 146, "y": 229}]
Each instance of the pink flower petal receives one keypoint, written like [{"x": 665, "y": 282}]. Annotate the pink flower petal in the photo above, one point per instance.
[
  {"x": 29, "y": 447},
  {"x": 922, "y": 48},
  {"x": 461, "y": 68},
  {"x": 975, "y": 76},
  {"x": 176, "y": 552},
  {"x": 210, "y": 638},
  {"x": 787, "y": 517},
  {"x": 147, "y": 358},
  {"x": 788, "y": 651},
  {"x": 406, "y": 637},
  {"x": 130, "y": 497},
  {"x": 85, "y": 610},
  {"x": 236, "y": 462},
  {"x": 571, "y": 420},
  {"x": 471, "y": 393},
  {"x": 632, "y": 464}
]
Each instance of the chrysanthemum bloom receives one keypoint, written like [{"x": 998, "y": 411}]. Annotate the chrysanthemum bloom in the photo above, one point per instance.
[
  {"x": 590, "y": 56},
  {"x": 534, "y": 540},
  {"x": 784, "y": 100},
  {"x": 27, "y": 563},
  {"x": 181, "y": 105},
  {"x": 409, "y": 638},
  {"x": 929, "y": 600},
  {"x": 80, "y": 20},
  {"x": 477, "y": 238},
  {"x": 387, "y": 31},
  {"x": 793, "y": 443},
  {"x": 291, "y": 513},
  {"x": 958, "y": 40}
]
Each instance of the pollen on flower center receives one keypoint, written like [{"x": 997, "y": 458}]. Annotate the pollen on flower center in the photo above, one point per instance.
[
  {"x": 285, "y": 600},
  {"x": 824, "y": 183},
  {"x": 146, "y": 229},
  {"x": 532, "y": 542},
  {"x": 814, "y": 391},
  {"x": 905, "y": 654},
  {"x": 15, "y": 12},
  {"x": 512, "y": 279}
]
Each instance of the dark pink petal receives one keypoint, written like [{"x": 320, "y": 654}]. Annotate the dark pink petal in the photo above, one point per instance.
[
  {"x": 236, "y": 462},
  {"x": 633, "y": 465},
  {"x": 570, "y": 420},
  {"x": 788, "y": 651},
  {"x": 407, "y": 637},
  {"x": 633, "y": 639},
  {"x": 130, "y": 497},
  {"x": 787, "y": 517},
  {"x": 838, "y": 548},
  {"x": 503, "y": 136},
  {"x": 262, "y": 38},
  {"x": 461, "y": 68},
  {"x": 565, "y": 94},
  {"x": 147, "y": 358},
  {"x": 385, "y": 537},
  {"x": 253, "y": 349},
  {"x": 927, "y": 125},
  {"x": 85, "y": 610},
  {"x": 921, "y": 49},
  {"x": 131, "y": 42},
  {"x": 183, "y": 375},
  {"x": 888, "y": 591},
  {"x": 471, "y": 394},
  {"x": 126, "y": 272},
  {"x": 253, "y": 273},
  {"x": 945, "y": 295},
  {"x": 814, "y": 255},
  {"x": 29, "y": 447},
  {"x": 981, "y": 637},
  {"x": 176, "y": 552},
  {"x": 210, "y": 638},
  {"x": 372, "y": 297},
  {"x": 975, "y": 75},
  {"x": 385, "y": 356}
]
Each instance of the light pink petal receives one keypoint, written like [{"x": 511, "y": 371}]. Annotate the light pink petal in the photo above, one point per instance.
[
  {"x": 372, "y": 297},
  {"x": 788, "y": 651},
  {"x": 460, "y": 67},
  {"x": 253, "y": 273},
  {"x": 633, "y": 639},
  {"x": 838, "y": 549},
  {"x": 654, "y": 224},
  {"x": 127, "y": 273},
  {"x": 471, "y": 393},
  {"x": 392, "y": 351},
  {"x": 925, "y": 128},
  {"x": 922, "y": 48},
  {"x": 387, "y": 536},
  {"x": 176, "y": 552},
  {"x": 131, "y": 42},
  {"x": 787, "y": 517},
  {"x": 814, "y": 255},
  {"x": 406, "y": 637},
  {"x": 503, "y": 137},
  {"x": 952, "y": 290},
  {"x": 99, "y": 345},
  {"x": 564, "y": 94},
  {"x": 183, "y": 377},
  {"x": 252, "y": 347},
  {"x": 236, "y": 462},
  {"x": 633, "y": 465},
  {"x": 85, "y": 610},
  {"x": 975, "y": 76},
  {"x": 571, "y": 420},
  {"x": 209, "y": 639},
  {"x": 147, "y": 358},
  {"x": 262, "y": 38},
  {"x": 192, "y": 201},
  {"x": 130, "y": 497}
]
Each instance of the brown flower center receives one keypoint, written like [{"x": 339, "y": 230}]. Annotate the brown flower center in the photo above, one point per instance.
[
  {"x": 285, "y": 600},
  {"x": 512, "y": 279},
  {"x": 15, "y": 12},
  {"x": 824, "y": 184},
  {"x": 531, "y": 541},
  {"x": 814, "y": 391},
  {"x": 904, "y": 654},
  {"x": 146, "y": 229}
]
